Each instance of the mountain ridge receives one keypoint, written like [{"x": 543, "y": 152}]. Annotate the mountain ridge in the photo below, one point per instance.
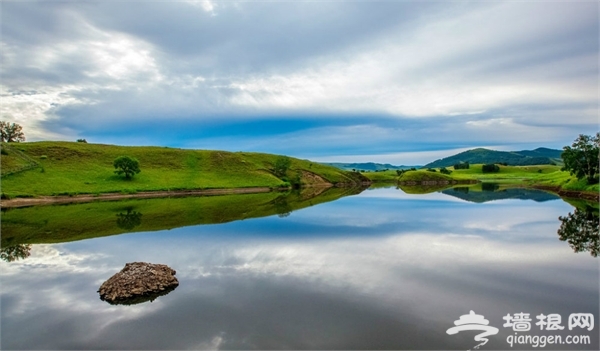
[
  {"x": 367, "y": 166},
  {"x": 539, "y": 156}
]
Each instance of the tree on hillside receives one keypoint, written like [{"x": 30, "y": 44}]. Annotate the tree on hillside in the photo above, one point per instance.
[
  {"x": 444, "y": 170},
  {"x": 581, "y": 158},
  {"x": 490, "y": 168},
  {"x": 11, "y": 132},
  {"x": 282, "y": 164},
  {"x": 127, "y": 165}
]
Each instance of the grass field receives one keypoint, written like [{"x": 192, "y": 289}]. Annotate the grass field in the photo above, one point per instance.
[
  {"x": 538, "y": 175},
  {"x": 67, "y": 168}
]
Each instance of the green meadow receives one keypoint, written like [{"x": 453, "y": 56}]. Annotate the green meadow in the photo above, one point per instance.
[
  {"x": 537, "y": 175},
  {"x": 68, "y": 168}
]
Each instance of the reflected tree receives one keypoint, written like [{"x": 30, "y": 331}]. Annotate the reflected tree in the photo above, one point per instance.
[
  {"x": 129, "y": 220},
  {"x": 580, "y": 230},
  {"x": 282, "y": 208},
  {"x": 15, "y": 252},
  {"x": 489, "y": 187}
]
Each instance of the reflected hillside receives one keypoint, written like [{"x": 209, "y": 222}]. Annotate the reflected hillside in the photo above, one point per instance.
[
  {"x": 419, "y": 189},
  {"x": 62, "y": 223},
  {"x": 485, "y": 192}
]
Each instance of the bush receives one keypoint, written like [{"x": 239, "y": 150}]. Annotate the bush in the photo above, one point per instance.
[
  {"x": 462, "y": 165},
  {"x": 443, "y": 170},
  {"x": 490, "y": 168},
  {"x": 282, "y": 164},
  {"x": 82, "y": 141},
  {"x": 43, "y": 157},
  {"x": 431, "y": 170}
]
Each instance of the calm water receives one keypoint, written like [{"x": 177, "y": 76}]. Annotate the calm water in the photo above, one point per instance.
[{"x": 377, "y": 270}]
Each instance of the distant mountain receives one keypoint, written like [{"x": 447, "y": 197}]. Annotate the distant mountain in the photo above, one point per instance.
[
  {"x": 539, "y": 156},
  {"x": 492, "y": 194},
  {"x": 541, "y": 152},
  {"x": 369, "y": 166}
]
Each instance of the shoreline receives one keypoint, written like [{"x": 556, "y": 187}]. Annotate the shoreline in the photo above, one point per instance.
[
  {"x": 82, "y": 198},
  {"x": 64, "y": 199},
  {"x": 569, "y": 194}
]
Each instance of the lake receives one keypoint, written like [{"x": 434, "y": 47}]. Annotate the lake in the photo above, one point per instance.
[{"x": 321, "y": 269}]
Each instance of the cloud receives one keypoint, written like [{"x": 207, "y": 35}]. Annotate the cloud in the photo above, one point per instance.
[
  {"x": 76, "y": 69},
  {"x": 319, "y": 272}
]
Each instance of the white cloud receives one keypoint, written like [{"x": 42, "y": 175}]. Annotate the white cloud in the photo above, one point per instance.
[
  {"x": 206, "y": 5},
  {"x": 440, "y": 69},
  {"x": 521, "y": 71},
  {"x": 396, "y": 158}
]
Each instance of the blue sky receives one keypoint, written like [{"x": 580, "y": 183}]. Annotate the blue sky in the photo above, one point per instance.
[{"x": 393, "y": 81}]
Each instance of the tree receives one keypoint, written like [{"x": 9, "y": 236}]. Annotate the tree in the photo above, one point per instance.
[
  {"x": 490, "y": 168},
  {"x": 580, "y": 230},
  {"x": 581, "y": 158},
  {"x": 444, "y": 170},
  {"x": 127, "y": 165},
  {"x": 11, "y": 132},
  {"x": 282, "y": 164}
]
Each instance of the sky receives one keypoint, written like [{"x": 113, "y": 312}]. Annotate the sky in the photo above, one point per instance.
[{"x": 396, "y": 82}]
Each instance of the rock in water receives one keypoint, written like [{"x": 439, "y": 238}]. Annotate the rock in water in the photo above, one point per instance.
[{"x": 138, "y": 282}]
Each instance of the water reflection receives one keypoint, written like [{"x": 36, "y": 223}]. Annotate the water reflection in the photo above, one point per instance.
[
  {"x": 580, "y": 230},
  {"x": 15, "y": 252},
  {"x": 51, "y": 224},
  {"x": 380, "y": 270},
  {"x": 129, "y": 220},
  {"x": 485, "y": 192},
  {"x": 282, "y": 207}
]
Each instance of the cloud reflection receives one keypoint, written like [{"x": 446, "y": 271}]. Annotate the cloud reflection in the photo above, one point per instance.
[{"x": 270, "y": 290}]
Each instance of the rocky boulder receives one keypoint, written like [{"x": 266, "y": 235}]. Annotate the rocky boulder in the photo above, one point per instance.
[{"x": 138, "y": 282}]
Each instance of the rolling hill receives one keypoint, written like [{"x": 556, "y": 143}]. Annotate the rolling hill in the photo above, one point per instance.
[
  {"x": 539, "y": 156},
  {"x": 368, "y": 166},
  {"x": 68, "y": 168}
]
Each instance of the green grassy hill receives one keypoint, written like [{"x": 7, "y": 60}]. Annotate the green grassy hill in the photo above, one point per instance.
[
  {"x": 81, "y": 168},
  {"x": 540, "y": 156},
  {"x": 417, "y": 176},
  {"x": 541, "y": 176}
]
